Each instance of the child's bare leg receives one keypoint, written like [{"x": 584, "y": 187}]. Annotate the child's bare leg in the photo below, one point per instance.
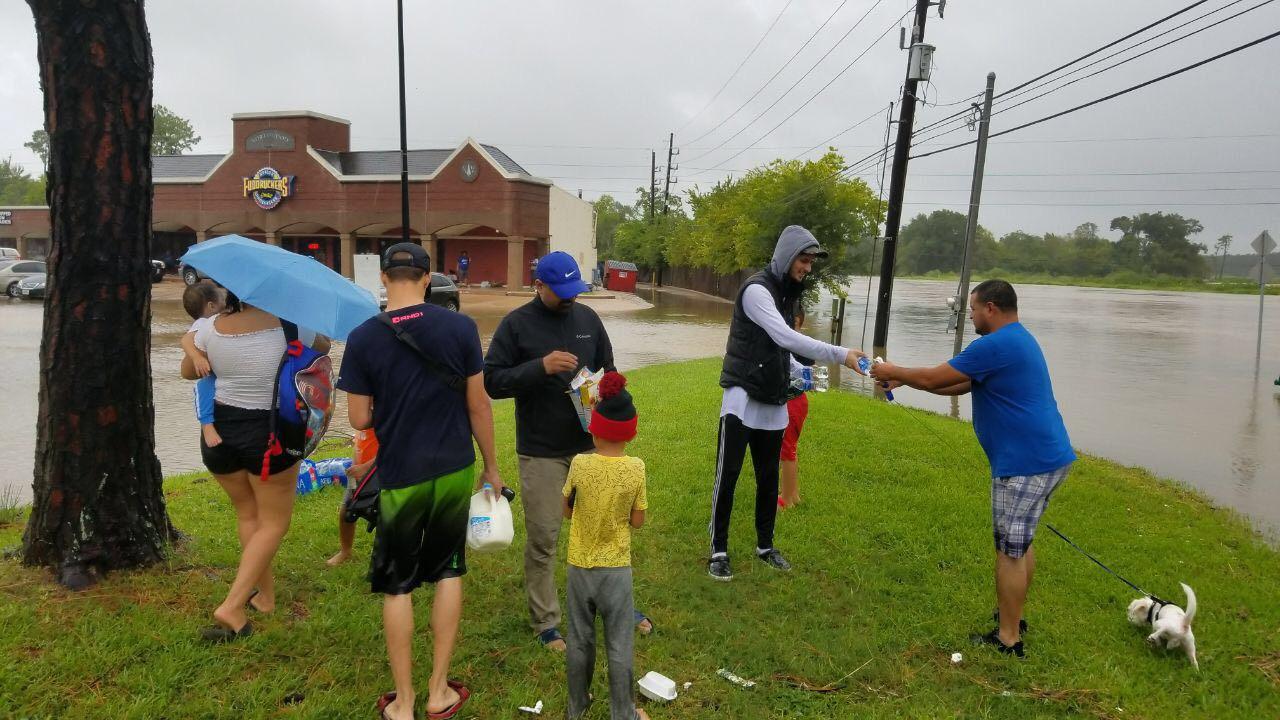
[
  {"x": 346, "y": 539},
  {"x": 211, "y": 436},
  {"x": 790, "y": 482}
]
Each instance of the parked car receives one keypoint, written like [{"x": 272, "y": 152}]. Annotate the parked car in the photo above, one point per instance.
[
  {"x": 157, "y": 271},
  {"x": 32, "y": 287},
  {"x": 443, "y": 293},
  {"x": 13, "y": 272},
  {"x": 8, "y": 253},
  {"x": 190, "y": 275}
]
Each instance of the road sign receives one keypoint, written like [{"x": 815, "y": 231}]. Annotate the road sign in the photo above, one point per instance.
[{"x": 1263, "y": 244}]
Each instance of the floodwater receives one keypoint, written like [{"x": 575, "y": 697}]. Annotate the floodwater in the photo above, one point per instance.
[{"x": 1167, "y": 381}]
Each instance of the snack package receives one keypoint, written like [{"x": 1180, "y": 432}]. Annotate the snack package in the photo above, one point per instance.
[{"x": 584, "y": 391}]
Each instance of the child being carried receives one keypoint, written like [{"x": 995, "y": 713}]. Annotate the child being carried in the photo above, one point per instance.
[{"x": 203, "y": 301}]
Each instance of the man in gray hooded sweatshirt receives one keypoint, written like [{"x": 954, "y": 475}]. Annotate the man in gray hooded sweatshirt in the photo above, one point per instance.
[{"x": 758, "y": 365}]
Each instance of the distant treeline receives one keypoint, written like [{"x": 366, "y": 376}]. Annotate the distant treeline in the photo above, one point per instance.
[{"x": 1151, "y": 245}]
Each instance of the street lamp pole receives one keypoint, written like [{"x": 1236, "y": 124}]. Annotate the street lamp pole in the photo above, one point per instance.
[{"x": 404, "y": 145}]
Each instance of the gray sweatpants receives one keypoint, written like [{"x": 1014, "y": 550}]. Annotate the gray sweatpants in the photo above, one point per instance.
[{"x": 605, "y": 592}]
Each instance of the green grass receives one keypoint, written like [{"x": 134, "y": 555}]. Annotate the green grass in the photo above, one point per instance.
[
  {"x": 1120, "y": 280},
  {"x": 892, "y": 552}
]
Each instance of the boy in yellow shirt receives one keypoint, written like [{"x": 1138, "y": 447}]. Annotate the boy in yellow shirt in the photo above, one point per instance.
[{"x": 604, "y": 496}]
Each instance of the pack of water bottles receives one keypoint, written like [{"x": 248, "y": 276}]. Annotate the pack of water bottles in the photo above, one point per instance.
[
  {"x": 315, "y": 475},
  {"x": 811, "y": 379}
]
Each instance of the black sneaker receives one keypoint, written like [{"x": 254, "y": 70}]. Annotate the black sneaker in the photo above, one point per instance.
[
  {"x": 774, "y": 559},
  {"x": 718, "y": 568},
  {"x": 1022, "y": 624},
  {"x": 993, "y": 639}
]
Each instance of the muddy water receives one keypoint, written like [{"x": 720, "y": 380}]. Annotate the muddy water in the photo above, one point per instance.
[{"x": 1166, "y": 381}]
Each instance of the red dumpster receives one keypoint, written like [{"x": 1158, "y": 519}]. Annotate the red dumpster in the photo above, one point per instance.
[{"x": 620, "y": 276}]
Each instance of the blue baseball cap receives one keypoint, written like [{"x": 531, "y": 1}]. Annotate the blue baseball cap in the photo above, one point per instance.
[{"x": 560, "y": 272}]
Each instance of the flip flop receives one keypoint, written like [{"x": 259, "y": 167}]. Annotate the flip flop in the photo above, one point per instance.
[
  {"x": 248, "y": 604},
  {"x": 641, "y": 617},
  {"x": 548, "y": 636},
  {"x": 454, "y": 709},
  {"x": 383, "y": 702},
  {"x": 219, "y": 634}
]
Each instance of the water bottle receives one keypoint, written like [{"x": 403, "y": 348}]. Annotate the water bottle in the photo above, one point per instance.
[
  {"x": 821, "y": 378},
  {"x": 802, "y": 380},
  {"x": 864, "y": 366}
]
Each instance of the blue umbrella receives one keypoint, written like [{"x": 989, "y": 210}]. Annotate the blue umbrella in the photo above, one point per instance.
[{"x": 285, "y": 284}]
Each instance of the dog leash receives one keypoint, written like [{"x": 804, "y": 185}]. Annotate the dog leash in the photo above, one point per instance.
[
  {"x": 1098, "y": 562},
  {"x": 1055, "y": 531}
]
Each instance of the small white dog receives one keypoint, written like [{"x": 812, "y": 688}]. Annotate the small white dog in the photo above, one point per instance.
[{"x": 1171, "y": 625}]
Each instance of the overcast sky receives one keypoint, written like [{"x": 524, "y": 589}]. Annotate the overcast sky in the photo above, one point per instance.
[{"x": 580, "y": 91}]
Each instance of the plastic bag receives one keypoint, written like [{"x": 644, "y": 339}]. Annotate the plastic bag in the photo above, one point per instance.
[{"x": 489, "y": 526}]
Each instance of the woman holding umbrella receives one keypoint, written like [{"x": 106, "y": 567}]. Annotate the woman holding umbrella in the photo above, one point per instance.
[
  {"x": 265, "y": 284},
  {"x": 244, "y": 346}
]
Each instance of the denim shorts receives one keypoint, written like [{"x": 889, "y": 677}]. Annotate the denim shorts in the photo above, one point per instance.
[{"x": 1017, "y": 502}]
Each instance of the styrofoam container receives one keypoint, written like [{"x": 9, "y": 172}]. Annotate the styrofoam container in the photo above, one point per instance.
[{"x": 657, "y": 687}]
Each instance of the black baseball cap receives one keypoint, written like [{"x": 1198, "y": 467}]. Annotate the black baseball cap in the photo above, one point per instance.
[{"x": 416, "y": 257}]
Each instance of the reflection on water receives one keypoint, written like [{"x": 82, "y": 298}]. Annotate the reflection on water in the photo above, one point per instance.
[{"x": 1162, "y": 380}]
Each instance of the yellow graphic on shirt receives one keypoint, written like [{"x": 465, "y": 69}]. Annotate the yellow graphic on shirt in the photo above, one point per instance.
[{"x": 608, "y": 488}]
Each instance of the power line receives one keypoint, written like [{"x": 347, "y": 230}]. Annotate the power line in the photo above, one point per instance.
[
  {"x": 1141, "y": 54},
  {"x": 738, "y": 69},
  {"x": 1113, "y": 95},
  {"x": 851, "y": 128},
  {"x": 776, "y": 73},
  {"x": 1067, "y": 64},
  {"x": 795, "y": 84},
  {"x": 1109, "y": 45},
  {"x": 811, "y": 97}
]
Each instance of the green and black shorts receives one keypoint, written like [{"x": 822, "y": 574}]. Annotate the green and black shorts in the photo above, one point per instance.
[{"x": 422, "y": 533}]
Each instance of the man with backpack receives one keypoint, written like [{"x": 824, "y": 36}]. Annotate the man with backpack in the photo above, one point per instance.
[{"x": 415, "y": 372}]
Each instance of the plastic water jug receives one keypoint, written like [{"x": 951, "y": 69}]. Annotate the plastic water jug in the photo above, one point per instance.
[{"x": 489, "y": 526}]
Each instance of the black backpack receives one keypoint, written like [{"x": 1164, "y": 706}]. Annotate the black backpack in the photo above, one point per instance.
[{"x": 363, "y": 503}]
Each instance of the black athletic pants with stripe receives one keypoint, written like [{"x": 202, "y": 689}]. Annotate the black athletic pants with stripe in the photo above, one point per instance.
[{"x": 765, "y": 446}]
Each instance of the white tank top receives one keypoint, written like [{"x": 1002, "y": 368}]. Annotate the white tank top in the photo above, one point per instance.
[{"x": 245, "y": 365}]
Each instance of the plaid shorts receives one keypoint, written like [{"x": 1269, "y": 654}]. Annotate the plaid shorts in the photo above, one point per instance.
[{"x": 1017, "y": 502}]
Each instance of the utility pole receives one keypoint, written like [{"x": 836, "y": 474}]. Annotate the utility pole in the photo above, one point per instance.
[
  {"x": 671, "y": 152},
  {"x": 975, "y": 198},
  {"x": 917, "y": 70},
  {"x": 653, "y": 181}
]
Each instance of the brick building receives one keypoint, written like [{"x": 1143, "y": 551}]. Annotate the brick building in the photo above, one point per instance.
[{"x": 291, "y": 179}]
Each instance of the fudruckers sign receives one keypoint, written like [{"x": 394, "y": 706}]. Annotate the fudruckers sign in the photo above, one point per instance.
[{"x": 268, "y": 187}]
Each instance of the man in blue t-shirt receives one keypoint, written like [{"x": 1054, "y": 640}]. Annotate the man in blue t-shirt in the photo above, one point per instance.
[
  {"x": 464, "y": 268},
  {"x": 425, "y": 463},
  {"x": 1019, "y": 427}
]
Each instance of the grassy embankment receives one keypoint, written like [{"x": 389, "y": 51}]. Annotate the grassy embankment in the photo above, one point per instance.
[
  {"x": 892, "y": 555},
  {"x": 1123, "y": 280}
]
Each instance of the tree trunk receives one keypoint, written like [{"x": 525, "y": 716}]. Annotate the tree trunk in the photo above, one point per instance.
[{"x": 98, "y": 500}]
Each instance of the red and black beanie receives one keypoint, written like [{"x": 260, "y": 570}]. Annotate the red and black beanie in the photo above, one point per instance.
[{"x": 614, "y": 416}]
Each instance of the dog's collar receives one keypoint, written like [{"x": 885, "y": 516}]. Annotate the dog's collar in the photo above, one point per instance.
[{"x": 1153, "y": 612}]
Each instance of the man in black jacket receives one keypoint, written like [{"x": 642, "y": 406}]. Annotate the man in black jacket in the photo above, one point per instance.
[
  {"x": 535, "y": 353},
  {"x": 756, "y": 375}
]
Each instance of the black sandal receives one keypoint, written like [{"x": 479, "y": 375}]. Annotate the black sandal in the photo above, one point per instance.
[
  {"x": 219, "y": 634},
  {"x": 248, "y": 604}
]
